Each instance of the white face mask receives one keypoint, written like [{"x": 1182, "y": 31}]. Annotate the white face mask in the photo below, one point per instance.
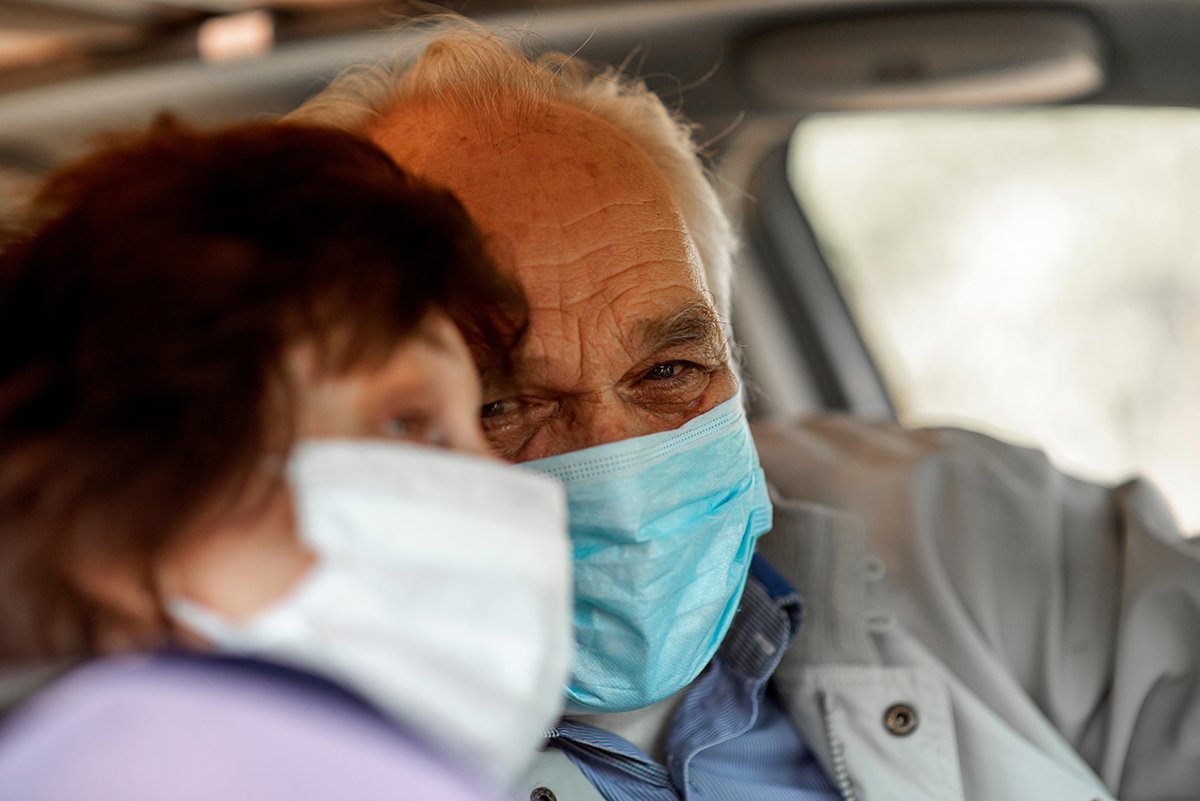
[{"x": 442, "y": 594}]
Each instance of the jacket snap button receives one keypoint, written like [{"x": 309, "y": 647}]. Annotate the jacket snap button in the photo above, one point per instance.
[
  {"x": 542, "y": 794},
  {"x": 874, "y": 568},
  {"x": 901, "y": 720}
]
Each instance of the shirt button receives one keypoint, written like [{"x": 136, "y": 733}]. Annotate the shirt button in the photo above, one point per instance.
[
  {"x": 542, "y": 794},
  {"x": 901, "y": 720}
]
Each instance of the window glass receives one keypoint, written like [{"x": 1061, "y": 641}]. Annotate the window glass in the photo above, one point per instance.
[{"x": 1031, "y": 273}]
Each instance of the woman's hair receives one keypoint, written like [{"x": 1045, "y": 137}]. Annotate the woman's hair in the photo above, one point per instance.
[{"x": 146, "y": 321}]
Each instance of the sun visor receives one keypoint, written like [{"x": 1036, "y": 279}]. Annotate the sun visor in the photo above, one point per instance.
[{"x": 942, "y": 58}]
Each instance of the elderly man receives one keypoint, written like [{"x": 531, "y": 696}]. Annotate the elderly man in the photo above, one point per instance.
[{"x": 975, "y": 625}]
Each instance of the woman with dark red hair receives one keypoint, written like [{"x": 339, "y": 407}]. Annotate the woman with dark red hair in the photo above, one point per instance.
[{"x": 242, "y": 481}]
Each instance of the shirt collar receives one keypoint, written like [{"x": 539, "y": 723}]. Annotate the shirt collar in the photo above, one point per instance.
[
  {"x": 768, "y": 619},
  {"x": 607, "y": 747}
]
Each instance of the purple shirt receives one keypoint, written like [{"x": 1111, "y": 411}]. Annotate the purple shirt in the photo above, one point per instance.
[{"x": 174, "y": 728}]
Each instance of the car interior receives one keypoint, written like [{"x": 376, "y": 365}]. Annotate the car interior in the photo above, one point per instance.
[{"x": 758, "y": 77}]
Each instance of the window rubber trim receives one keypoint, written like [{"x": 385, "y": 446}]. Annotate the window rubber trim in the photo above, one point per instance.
[{"x": 845, "y": 375}]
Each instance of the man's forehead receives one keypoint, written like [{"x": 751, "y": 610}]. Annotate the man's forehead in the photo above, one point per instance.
[
  {"x": 566, "y": 196},
  {"x": 587, "y": 223},
  {"x": 416, "y": 131},
  {"x": 556, "y": 154}
]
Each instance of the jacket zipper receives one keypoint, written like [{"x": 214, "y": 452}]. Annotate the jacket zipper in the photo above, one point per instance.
[{"x": 837, "y": 755}]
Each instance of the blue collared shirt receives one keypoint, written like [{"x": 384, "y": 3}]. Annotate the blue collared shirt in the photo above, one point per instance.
[{"x": 730, "y": 739}]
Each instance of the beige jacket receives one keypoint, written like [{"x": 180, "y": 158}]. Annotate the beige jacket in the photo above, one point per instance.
[{"x": 1044, "y": 632}]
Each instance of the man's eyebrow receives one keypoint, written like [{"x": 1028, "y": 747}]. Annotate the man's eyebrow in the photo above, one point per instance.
[{"x": 695, "y": 324}]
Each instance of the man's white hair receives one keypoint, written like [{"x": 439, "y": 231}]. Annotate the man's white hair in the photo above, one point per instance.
[{"x": 487, "y": 73}]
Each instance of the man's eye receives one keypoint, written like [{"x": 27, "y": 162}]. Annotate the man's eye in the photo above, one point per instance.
[
  {"x": 660, "y": 372},
  {"x": 494, "y": 409}
]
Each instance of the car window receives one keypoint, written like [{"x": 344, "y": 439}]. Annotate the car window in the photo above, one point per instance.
[{"x": 1033, "y": 273}]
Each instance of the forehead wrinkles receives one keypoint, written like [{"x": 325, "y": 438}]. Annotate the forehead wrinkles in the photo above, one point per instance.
[
  {"x": 550, "y": 169},
  {"x": 596, "y": 253},
  {"x": 594, "y": 341},
  {"x": 603, "y": 256},
  {"x": 577, "y": 207},
  {"x": 580, "y": 214},
  {"x": 586, "y": 305}
]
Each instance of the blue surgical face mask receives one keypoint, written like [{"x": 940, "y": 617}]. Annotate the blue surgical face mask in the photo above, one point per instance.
[{"x": 663, "y": 530}]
